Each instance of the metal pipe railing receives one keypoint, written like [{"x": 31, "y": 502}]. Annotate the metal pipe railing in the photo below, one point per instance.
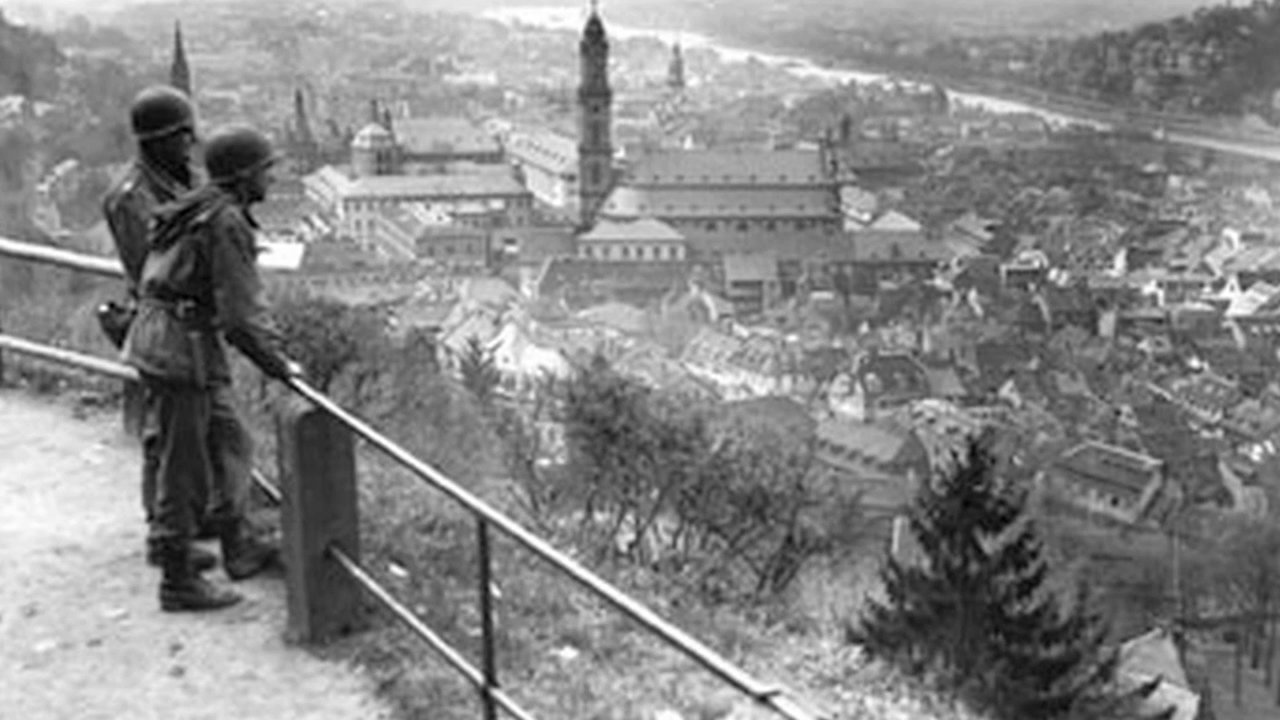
[
  {"x": 108, "y": 267},
  {"x": 110, "y": 368},
  {"x": 484, "y": 679},
  {"x": 770, "y": 695},
  {"x": 431, "y": 637}
]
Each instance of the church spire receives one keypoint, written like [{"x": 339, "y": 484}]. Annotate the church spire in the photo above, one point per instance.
[
  {"x": 179, "y": 72},
  {"x": 595, "y": 119},
  {"x": 302, "y": 125},
  {"x": 675, "y": 71}
]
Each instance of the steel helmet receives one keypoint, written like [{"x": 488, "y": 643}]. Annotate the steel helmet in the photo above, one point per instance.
[
  {"x": 159, "y": 111},
  {"x": 236, "y": 151}
]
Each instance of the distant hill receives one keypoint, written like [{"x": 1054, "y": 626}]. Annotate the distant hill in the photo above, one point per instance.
[
  {"x": 1215, "y": 60},
  {"x": 936, "y": 18}
]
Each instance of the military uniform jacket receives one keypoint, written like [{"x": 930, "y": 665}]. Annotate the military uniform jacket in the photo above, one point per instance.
[
  {"x": 129, "y": 207},
  {"x": 200, "y": 289}
]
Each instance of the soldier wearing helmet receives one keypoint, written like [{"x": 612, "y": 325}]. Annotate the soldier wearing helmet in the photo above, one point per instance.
[
  {"x": 164, "y": 125},
  {"x": 200, "y": 291},
  {"x": 163, "y": 122}
]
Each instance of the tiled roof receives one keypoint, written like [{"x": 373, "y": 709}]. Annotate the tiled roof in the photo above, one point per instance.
[
  {"x": 894, "y": 221},
  {"x": 644, "y": 229},
  {"x": 728, "y": 167},
  {"x": 895, "y": 375},
  {"x": 545, "y": 149},
  {"x": 484, "y": 184},
  {"x": 897, "y": 246},
  {"x": 440, "y": 135},
  {"x": 1109, "y": 465},
  {"x": 799, "y": 202},
  {"x": 881, "y": 443}
]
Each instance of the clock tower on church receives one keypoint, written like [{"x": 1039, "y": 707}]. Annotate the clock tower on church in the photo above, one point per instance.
[{"x": 595, "y": 119}]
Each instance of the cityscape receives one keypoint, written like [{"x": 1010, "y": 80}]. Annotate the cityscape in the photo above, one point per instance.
[{"x": 880, "y": 263}]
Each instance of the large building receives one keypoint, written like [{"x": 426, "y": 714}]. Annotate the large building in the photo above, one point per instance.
[
  {"x": 721, "y": 202},
  {"x": 728, "y": 202}
]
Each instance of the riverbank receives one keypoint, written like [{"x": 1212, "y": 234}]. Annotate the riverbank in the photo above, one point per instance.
[{"x": 1230, "y": 136}]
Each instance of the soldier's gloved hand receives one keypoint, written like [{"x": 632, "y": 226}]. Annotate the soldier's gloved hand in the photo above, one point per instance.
[{"x": 294, "y": 370}]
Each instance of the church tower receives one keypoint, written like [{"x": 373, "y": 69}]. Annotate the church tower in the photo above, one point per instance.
[
  {"x": 305, "y": 149},
  {"x": 595, "y": 109},
  {"x": 179, "y": 72},
  {"x": 675, "y": 71}
]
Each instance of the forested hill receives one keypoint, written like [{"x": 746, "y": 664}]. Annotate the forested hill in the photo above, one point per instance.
[
  {"x": 1217, "y": 60},
  {"x": 28, "y": 61}
]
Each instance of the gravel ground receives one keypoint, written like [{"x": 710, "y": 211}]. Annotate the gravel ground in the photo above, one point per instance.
[{"x": 81, "y": 634}]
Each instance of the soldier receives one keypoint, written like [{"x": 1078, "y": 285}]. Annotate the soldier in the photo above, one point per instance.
[
  {"x": 163, "y": 124},
  {"x": 199, "y": 291}
]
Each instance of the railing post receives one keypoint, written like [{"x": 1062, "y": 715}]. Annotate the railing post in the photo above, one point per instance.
[
  {"x": 318, "y": 476},
  {"x": 488, "y": 660}
]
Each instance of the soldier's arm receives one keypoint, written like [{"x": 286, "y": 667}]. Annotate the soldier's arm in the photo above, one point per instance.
[
  {"x": 129, "y": 220},
  {"x": 241, "y": 312}
]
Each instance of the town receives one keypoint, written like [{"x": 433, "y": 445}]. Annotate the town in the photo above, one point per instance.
[{"x": 886, "y": 269}]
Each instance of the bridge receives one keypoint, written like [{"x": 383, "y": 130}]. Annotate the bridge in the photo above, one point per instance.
[{"x": 79, "y": 627}]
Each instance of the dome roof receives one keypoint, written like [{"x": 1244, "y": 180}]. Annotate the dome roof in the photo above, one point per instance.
[{"x": 372, "y": 136}]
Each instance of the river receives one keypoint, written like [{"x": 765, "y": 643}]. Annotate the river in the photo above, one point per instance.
[{"x": 573, "y": 17}]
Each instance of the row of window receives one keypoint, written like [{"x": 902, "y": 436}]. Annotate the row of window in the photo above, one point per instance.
[
  {"x": 633, "y": 252},
  {"x": 729, "y": 179},
  {"x": 494, "y": 202},
  {"x": 746, "y": 225},
  {"x": 451, "y": 249}
]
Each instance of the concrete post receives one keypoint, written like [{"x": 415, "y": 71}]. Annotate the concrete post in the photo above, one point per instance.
[{"x": 318, "y": 477}]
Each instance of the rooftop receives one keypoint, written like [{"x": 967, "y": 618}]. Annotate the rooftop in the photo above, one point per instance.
[
  {"x": 1110, "y": 465},
  {"x": 443, "y": 135},
  {"x": 641, "y": 230},
  {"x": 798, "y": 202},
  {"x": 433, "y": 186},
  {"x": 728, "y": 167}
]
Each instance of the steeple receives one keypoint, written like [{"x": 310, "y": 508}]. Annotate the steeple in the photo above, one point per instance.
[
  {"x": 306, "y": 150},
  {"x": 595, "y": 119},
  {"x": 675, "y": 71},
  {"x": 302, "y": 125},
  {"x": 179, "y": 72}
]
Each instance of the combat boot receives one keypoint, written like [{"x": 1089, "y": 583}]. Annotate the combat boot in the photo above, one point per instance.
[
  {"x": 201, "y": 559},
  {"x": 243, "y": 554},
  {"x": 183, "y": 590}
]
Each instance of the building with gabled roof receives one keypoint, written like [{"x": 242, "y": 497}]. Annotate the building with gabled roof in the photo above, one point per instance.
[
  {"x": 1105, "y": 482},
  {"x": 442, "y": 140},
  {"x": 641, "y": 240}
]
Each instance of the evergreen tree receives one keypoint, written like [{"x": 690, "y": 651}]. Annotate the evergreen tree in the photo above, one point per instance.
[
  {"x": 974, "y": 615},
  {"x": 479, "y": 373}
]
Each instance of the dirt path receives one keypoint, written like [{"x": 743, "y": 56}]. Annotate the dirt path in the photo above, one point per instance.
[{"x": 81, "y": 634}]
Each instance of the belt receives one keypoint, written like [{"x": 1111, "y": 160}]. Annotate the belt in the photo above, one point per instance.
[{"x": 184, "y": 310}]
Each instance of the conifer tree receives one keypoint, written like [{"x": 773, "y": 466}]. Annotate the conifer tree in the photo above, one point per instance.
[
  {"x": 975, "y": 618},
  {"x": 479, "y": 373}
]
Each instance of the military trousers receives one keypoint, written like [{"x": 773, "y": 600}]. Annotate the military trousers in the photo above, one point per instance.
[{"x": 202, "y": 459}]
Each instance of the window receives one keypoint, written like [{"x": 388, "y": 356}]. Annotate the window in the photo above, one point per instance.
[
  {"x": 626, "y": 252},
  {"x": 770, "y": 225},
  {"x": 743, "y": 226},
  {"x": 712, "y": 226}
]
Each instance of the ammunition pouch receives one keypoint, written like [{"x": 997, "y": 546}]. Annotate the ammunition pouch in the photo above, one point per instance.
[{"x": 114, "y": 319}]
